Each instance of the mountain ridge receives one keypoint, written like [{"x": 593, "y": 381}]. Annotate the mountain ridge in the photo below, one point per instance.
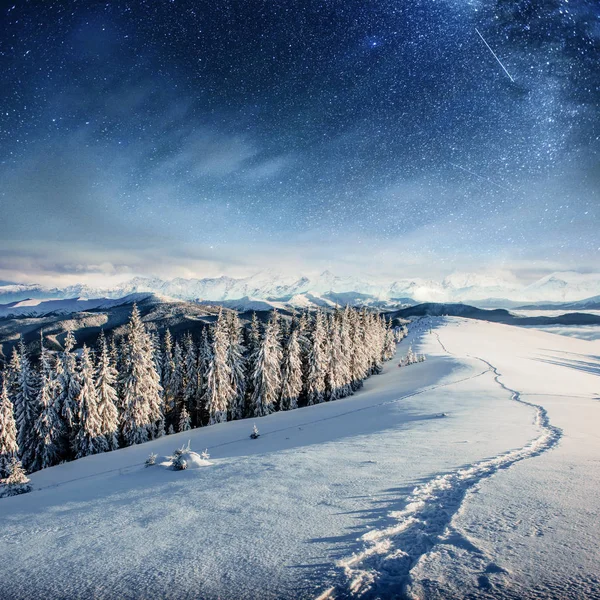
[{"x": 561, "y": 287}]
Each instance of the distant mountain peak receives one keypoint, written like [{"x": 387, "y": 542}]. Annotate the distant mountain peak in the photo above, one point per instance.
[{"x": 268, "y": 284}]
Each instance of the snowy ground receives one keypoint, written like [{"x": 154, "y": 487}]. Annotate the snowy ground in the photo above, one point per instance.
[{"x": 371, "y": 496}]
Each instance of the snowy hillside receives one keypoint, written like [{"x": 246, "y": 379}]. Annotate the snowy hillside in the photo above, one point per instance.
[
  {"x": 273, "y": 287},
  {"x": 41, "y": 308},
  {"x": 473, "y": 474}
]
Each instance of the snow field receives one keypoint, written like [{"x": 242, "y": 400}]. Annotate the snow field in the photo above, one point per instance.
[{"x": 377, "y": 476}]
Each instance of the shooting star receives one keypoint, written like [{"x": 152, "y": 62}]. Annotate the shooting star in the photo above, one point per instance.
[
  {"x": 481, "y": 177},
  {"x": 494, "y": 55}
]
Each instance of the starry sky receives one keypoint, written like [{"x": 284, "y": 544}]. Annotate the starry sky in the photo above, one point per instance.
[{"x": 192, "y": 138}]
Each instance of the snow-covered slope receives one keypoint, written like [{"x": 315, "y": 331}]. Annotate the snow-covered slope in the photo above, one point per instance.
[
  {"x": 372, "y": 496},
  {"x": 271, "y": 286}
]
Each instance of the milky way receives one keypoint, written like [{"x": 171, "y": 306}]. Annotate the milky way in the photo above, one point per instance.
[{"x": 194, "y": 138}]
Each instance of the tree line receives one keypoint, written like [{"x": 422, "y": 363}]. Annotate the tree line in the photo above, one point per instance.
[{"x": 141, "y": 387}]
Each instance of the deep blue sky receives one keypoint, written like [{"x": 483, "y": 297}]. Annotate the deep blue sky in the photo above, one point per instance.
[{"x": 199, "y": 138}]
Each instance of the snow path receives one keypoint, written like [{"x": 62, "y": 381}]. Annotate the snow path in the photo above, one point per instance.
[{"x": 382, "y": 568}]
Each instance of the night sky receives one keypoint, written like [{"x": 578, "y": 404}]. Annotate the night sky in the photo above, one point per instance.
[{"x": 180, "y": 138}]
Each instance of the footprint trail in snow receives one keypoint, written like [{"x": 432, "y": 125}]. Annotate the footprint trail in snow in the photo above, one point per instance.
[{"x": 382, "y": 568}]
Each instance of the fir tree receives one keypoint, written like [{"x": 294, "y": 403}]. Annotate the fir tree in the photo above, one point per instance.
[
  {"x": 16, "y": 482},
  {"x": 157, "y": 352},
  {"x": 176, "y": 386},
  {"x": 237, "y": 366},
  {"x": 167, "y": 364},
  {"x": 9, "y": 449},
  {"x": 68, "y": 379},
  {"x": 359, "y": 358},
  {"x": 346, "y": 354},
  {"x": 303, "y": 328},
  {"x": 185, "y": 423},
  {"x": 252, "y": 351},
  {"x": 106, "y": 381},
  {"x": 291, "y": 373},
  {"x": 13, "y": 373},
  {"x": 114, "y": 353},
  {"x": 90, "y": 437},
  {"x": 389, "y": 344},
  {"x": 191, "y": 379},
  {"x": 47, "y": 431},
  {"x": 142, "y": 415},
  {"x": 336, "y": 376},
  {"x": 219, "y": 391},
  {"x": 199, "y": 413},
  {"x": 317, "y": 362},
  {"x": 25, "y": 404},
  {"x": 267, "y": 371}
]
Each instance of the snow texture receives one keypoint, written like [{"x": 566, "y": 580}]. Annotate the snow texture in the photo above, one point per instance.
[{"x": 370, "y": 496}]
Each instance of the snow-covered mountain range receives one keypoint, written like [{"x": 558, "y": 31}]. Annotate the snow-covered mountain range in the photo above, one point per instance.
[{"x": 268, "y": 288}]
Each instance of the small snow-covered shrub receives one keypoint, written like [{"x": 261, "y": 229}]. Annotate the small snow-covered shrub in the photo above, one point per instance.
[
  {"x": 254, "y": 433},
  {"x": 179, "y": 463},
  {"x": 151, "y": 460},
  {"x": 16, "y": 482},
  {"x": 185, "y": 458},
  {"x": 411, "y": 358}
]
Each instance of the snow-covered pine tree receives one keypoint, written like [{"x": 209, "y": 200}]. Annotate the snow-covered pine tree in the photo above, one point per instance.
[
  {"x": 410, "y": 358},
  {"x": 68, "y": 378},
  {"x": 16, "y": 482},
  {"x": 9, "y": 449},
  {"x": 336, "y": 376},
  {"x": 219, "y": 391},
  {"x": 176, "y": 386},
  {"x": 185, "y": 423},
  {"x": 114, "y": 353},
  {"x": 47, "y": 433},
  {"x": 237, "y": 366},
  {"x": 24, "y": 401},
  {"x": 368, "y": 341},
  {"x": 267, "y": 371},
  {"x": 167, "y": 361},
  {"x": 12, "y": 374},
  {"x": 191, "y": 380},
  {"x": 359, "y": 361},
  {"x": 157, "y": 352},
  {"x": 389, "y": 344},
  {"x": 284, "y": 329},
  {"x": 199, "y": 413},
  {"x": 291, "y": 373},
  {"x": 303, "y": 328},
  {"x": 252, "y": 351},
  {"x": 166, "y": 373},
  {"x": 142, "y": 415},
  {"x": 317, "y": 362},
  {"x": 155, "y": 392},
  {"x": 376, "y": 337},
  {"x": 400, "y": 333},
  {"x": 90, "y": 437},
  {"x": 346, "y": 354},
  {"x": 106, "y": 381}
]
